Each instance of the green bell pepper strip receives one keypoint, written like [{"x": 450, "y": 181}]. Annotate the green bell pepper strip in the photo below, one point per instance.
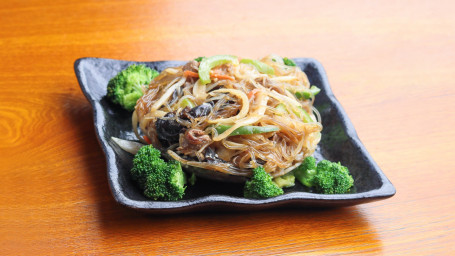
[
  {"x": 247, "y": 130},
  {"x": 308, "y": 94},
  {"x": 208, "y": 63},
  {"x": 300, "y": 112},
  {"x": 281, "y": 108},
  {"x": 187, "y": 103},
  {"x": 260, "y": 66},
  {"x": 288, "y": 62}
]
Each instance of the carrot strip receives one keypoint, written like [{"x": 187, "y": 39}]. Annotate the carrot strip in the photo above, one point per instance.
[
  {"x": 222, "y": 77},
  {"x": 252, "y": 93},
  {"x": 188, "y": 73},
  {"x": 147, "y": 140}
]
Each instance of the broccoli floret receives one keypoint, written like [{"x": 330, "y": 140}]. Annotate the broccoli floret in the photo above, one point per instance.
[
  {"x": 261, "y": 185},
  {"x": 167, "y": 184},
  {"x": 306, "y": 171},
  {"x": 288, "y": 62},
  {"x": 126, "y": 87},
  {"x": 158, "y": 179},
  {"x": 332, "y": 178},
  {"x": 285, "y": 181},
  {"x": 326, "y": 177},
  {"x": 146, "y": 161}
]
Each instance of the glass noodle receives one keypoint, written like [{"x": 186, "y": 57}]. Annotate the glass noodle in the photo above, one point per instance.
[{"x": 238, "y": 95}]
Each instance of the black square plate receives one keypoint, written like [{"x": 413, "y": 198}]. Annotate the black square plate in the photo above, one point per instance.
[{"x": 339, "y": 143}]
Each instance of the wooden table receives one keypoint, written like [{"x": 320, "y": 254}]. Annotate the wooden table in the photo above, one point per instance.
[{"x": 391, "y": 65}]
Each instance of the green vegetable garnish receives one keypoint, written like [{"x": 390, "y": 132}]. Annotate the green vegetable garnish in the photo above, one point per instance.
[
  {"x": 261, "y": 185},
  {"x": 159, "y": 180},
  {"x": 326, "y": 177},
  {"x": 306, "y": 171},
  {"x": 288, "y": 62},
  {"x": 247, "y": 130},
  {"x": 260, "y": 66},
  {"x": 126, "y": 87},
  {"x": 300, "y": 112},
  {"x": 198, "y": 59},
  {"x": 285, "y": 181},
  {"x": 281, "y": 108},
  {"x": 313, "y": 91},
  {"x": 208, "y": 63},
  {"x": 187, "y": 103}
]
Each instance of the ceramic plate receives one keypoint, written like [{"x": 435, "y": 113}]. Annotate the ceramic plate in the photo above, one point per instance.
[{"x": 339, "y": 143}]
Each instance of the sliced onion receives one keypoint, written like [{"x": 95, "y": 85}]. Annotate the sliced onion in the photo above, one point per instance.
[
  {"x": 233, "y": 145},
  {"x": 154, "y": 114},
  {"x": 134, "y": 120},
  {"x": 167, "y": 94},
  {"x": 128, "y": 145},
  {"x": 171, "y": 71},
  {"x": 275, "y": 58},
  {"x": 199, "y": 92},
  {"x": 317, "y": 115},
  {"x": 243, "y": 111},
  {"x": 284, "y": 171},
  {"x": 262, "y": 104}
]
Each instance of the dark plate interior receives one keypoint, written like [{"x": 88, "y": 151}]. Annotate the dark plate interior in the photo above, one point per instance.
[{"x": 339, "y": 143}]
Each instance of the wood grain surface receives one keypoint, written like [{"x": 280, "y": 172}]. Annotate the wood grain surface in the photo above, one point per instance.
[{"x": 391, "y": 65}]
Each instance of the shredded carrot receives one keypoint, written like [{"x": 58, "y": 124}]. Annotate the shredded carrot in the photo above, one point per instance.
[
  {"x": 252, "y": 93},
  {"x": 222, "y": 77},
  {"x": 147, "y": 140},
  {"x": 188, "y": 73}
]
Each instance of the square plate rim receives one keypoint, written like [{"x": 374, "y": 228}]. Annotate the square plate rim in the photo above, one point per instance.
[{"x": 385, "y": 191}]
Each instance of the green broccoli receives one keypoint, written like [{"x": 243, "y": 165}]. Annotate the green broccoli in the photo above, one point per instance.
[
  {"x": 285, "y": 181},
  {"x": 261, "y": 185},
  {"x": 146, "y": 161},
  {"x": 332, "y": 178},
  {"x": 306, "y": 171},
  {"x": 158, "y": 179},
  {"x": 126, "y": 87},
  {"x": 326, "y": 177}
]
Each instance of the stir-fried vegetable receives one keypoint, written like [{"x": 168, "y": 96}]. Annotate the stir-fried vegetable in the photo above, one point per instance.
[
  {"x": 260, "y": 66},
  {"x": 208, "y": 63},
  {"x": 188, "y": 73},
  {"x": 285, "y": 181},
  {"x": 288, "y": 62},
  {"x": 187, "y": 103},
  {"x": 281, "y": 109},
  {"x": 127, "y": 86},
  {"x": 300, "y": 112},
  {"x": 325, "y": 177},
  {"x": 261, "y": 185},
  {"x": 241, "y": 119},
  {"x": 308, "y": 94},
  {"x": 247, "y": 130}
]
